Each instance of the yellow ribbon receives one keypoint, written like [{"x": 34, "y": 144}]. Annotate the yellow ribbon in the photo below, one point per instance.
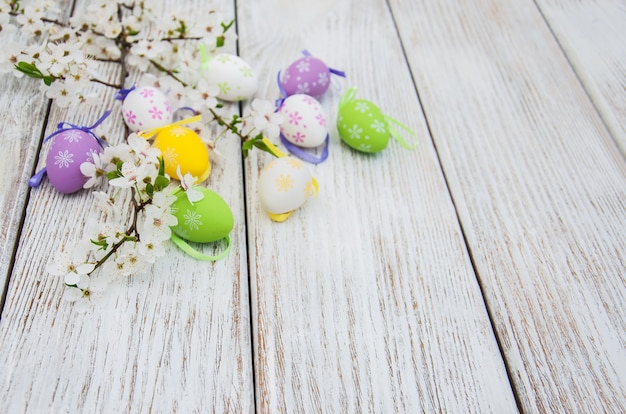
[
  {"x": 274, "y": 150},
  {"x": 147, "y": 134}
]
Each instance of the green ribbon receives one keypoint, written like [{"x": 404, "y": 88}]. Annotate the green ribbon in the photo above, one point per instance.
[
  {"x": 204, "y": 58},
  {"x": 397, "y": 135},
  {"x": 347, "y": 96},
  {"x": 185, "y": 247}
]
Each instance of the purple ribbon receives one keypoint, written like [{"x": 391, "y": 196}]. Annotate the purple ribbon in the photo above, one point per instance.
[
  {"x": 283, "y": 94},
  {"x": 66, "y": 126},
  {"x": 177, "y": 117},
  {"x": 302, "y": 154},
  {"x": 334, "y": 71},
  {"x": 36, "y": 179},
  {"x": 122, "y": 93}
]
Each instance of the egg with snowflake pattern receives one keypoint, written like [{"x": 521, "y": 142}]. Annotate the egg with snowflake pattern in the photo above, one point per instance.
[
  {"x": 145, "y": 108},
  {"x": 181, "y": 146},
  {"x": 234, "y": 77},
  {"x": 284, "y": 185},
  {"x": 362, "y": 125},
  {"x": 305, "y": 121},
  {"x": 68, "y": 150},
  {"x": 307, "y": 75},
  {"x": 206, "y": 220}
]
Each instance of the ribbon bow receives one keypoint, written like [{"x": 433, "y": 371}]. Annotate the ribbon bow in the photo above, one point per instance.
[
  {"x": 123, "y": 93},
  {"x": 37, "y": 178},
  {"x": 185, "y": 247}
]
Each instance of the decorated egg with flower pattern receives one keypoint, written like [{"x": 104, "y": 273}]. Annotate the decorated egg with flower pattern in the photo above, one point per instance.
[
  {"x": 234, "y": 77},
  {"x": 181, "y": 146},
  {"x": 305, "y": 121},
  {"x": 145, "y": 108},
  {"x": 307, "y": 75},
  {"x": 362, "y": 126},
  {"x": 284, "y": 185},
  {"x": 206, "y": 220},
  {"x": 69, "y": 149}
]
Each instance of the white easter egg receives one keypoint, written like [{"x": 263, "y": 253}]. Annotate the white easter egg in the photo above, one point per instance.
[
  {"x": 305, "y": 121},
  {"x": 146, "y": 108},
  {"x": 234, "y": 77},
  {"x": 284, "y": 185}
]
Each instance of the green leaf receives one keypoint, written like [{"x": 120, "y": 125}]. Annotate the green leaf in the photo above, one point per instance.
[
  {"x": 161, "y": 182},
  {"x": 219, "y": 41},
  {"x": 246, "y": 147},
  {"x": 113, "y": 174},
  {"x": 261, "y": 145},
  {"x": 103, "y": 244},
  {"x": 149, "y": 189},
  {"x": 29, "y": 69},
  {"x": 161, "y": 167}
]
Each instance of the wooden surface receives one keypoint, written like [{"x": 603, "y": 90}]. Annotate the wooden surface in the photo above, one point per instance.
[{"x": 481, "y": 272}]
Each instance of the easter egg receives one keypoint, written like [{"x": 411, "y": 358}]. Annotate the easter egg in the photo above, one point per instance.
[
  {"x": 146, "y": 108},
  {"x": 234, "y": 77},
  {"x": 181, "y": 146},
  {"x": 69, "y": 149},
  {"x": 362, "y": 126},
  {"x": 284, "y": 185},
  {"x": 204, "y": 221},
  {"x": 307, "y": 75},
  {"x": 305, "y": 121}
]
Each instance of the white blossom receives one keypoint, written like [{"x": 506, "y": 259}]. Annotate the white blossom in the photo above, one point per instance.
[{"x": 265, "y": 119}]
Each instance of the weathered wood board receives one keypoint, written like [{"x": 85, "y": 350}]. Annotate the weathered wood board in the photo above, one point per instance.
[
  {"x": 365, "y": 299},
  {"x": 175, "y": 339},
  {"x": 540, "y": 188}
]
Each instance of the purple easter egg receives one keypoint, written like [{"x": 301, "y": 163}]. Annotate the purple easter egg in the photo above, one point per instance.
[
  {"x": 68, "y": 150},
  {"x": 307, "y": 75},
  {"x": 146, "y": 108}
]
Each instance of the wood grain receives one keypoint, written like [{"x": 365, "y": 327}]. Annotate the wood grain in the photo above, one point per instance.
[
  {"x": 591, "y": 33},
  {"x": 174, "y": 340},
  {"x": 540, "y": 188},
  {"x": 23, "y": 111},
  {"x": 365, "y": 299}
]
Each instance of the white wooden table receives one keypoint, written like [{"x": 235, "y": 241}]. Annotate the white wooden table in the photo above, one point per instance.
[{"x": 482, "y": 272}]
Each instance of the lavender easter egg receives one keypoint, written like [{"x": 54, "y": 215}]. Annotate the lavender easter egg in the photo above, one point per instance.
[
  {"x": 146, "y": 108},
  {"x": 305, "y": 121},
  {"x": 307, "y": 75},
  {"x": 69, "y": 149},
  {"x": 234, "y": 77},
  {"x": 284, "y": 185}
]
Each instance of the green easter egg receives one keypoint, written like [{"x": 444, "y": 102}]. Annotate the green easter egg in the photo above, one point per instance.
[
  {"x": 362, "y": 126},
  {"x": 204, "y": 221}
]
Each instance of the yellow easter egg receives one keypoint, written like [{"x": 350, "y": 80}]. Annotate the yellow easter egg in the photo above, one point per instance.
[{"x": 181, "y": 146}]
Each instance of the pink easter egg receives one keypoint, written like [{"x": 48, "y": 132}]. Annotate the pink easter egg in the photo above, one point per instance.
[
  {"x": 69, "y": 149},
  {"x": 305, "y": 121},
  {"x": 307, "y": 75},
  {"x": 146, "y": 108}
]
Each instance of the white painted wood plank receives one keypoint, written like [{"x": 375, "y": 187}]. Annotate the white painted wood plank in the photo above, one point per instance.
[
  {"x": 540, "y": 187},
  {"x": 22, "y": 110},
  {"x": 365, "y": 299},
  {"x": 174, "y": 340},
  {"x": 592, "y": 35}
]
